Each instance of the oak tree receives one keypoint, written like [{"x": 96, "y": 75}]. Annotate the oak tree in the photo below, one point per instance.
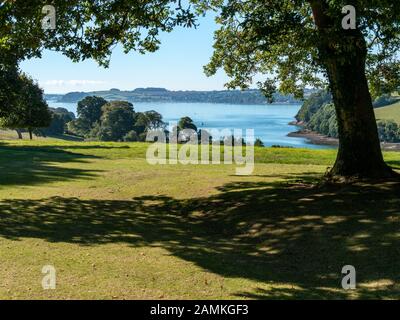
[
  {"x": 303, "y": 43},
  {"x": 30, "y": 111}
]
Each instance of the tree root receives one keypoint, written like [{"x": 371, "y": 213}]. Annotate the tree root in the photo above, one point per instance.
[{"x": 387, "y": 174}]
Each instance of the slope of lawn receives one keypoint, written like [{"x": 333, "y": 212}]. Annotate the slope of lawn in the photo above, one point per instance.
[
  {"x": 391, "y": 112},
  {"x": 116, "y": 227}
]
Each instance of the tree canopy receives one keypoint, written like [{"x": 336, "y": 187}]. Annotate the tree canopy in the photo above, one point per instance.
[
  {"x": 60, "y": 117},
  {"x": 275, "y": 38},
  {"x": 186, "y": 123},
  {"x": 280, "y": 40},
  {"x": 116, "y": 121},
  {"x": 84, "y": 30},
  {"x": 89, "y": 109},
  {"x": 149, "y": 120},
  {"x": 295, "y": 44},
  {"x": 30, "y": 110},
  {"x": 88, "y": 29}
]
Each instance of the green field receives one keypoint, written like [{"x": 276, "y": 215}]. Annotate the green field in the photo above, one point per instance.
[
  {"x": 116, "y": 227},
  {"x": 391, "y": 112}
]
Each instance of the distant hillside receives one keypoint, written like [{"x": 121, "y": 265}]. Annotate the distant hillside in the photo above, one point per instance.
[
  {"x": 318, "y": 115},
  {"x": 391, "y": 112},
  {"x": 52, "y": 96},
  {"x": 252, "y": 96},
  {"x": 311, "y": 106}
]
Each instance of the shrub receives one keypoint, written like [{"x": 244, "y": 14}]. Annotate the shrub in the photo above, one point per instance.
[
  {"x": 258, "y": 143},
  {"x": 131, "y": 136},
  {"x": 389, "y": 131}
]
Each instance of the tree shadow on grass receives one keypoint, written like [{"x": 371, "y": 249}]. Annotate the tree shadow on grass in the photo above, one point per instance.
[
  {"x": 292, "y": 239},
  {"x": 24, "y": 166},
  {"x": 66, "y": 137},
  {"x": 395, "y": 164}
]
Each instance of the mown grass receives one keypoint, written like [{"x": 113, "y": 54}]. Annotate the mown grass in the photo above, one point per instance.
[
  {"x": 116, "y": 227},
  {"x": 391, "y": 112}
]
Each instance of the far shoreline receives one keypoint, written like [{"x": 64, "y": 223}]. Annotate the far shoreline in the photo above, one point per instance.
[{"x": 316, "y": 138}]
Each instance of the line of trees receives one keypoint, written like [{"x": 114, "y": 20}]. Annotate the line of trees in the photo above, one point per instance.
[
  {"x": 389, "y": 131},
  {"x": 251, "y": 96},
  {"x": 102, "y": 120},
  {"x": 60, "y": 117},
  {"x": 99, "y": 119},
  {"x": 318, "y": 114}
]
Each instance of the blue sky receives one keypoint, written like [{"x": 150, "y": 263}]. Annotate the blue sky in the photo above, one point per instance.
[{"x": 178, "y": 65}]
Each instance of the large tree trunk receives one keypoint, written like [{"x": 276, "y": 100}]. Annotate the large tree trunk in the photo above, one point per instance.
[
  {"x": 344, "y": 58},
  {"x": 359, "y": 147},
  {"x": 19, "y": 133},
  {"x": 30, "y": 133}
]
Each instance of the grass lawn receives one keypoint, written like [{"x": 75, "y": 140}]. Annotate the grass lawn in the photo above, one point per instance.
[
  {"x": 116, "y": 227},
  {"x": 391, "y": 112}
]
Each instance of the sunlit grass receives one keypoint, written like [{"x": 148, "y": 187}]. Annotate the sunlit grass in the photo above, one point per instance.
[
  {"x": 116, "y": 227},
  {"x": 391, "y": 112}
]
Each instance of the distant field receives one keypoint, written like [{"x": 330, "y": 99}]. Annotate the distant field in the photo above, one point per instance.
[
  {"x": 391, "y": 112},
  {"x": 11, "y": 135},
  {"x": 116, "y": 227}
]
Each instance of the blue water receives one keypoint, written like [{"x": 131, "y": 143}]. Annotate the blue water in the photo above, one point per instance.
[{"x": 270, "y": 122}]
